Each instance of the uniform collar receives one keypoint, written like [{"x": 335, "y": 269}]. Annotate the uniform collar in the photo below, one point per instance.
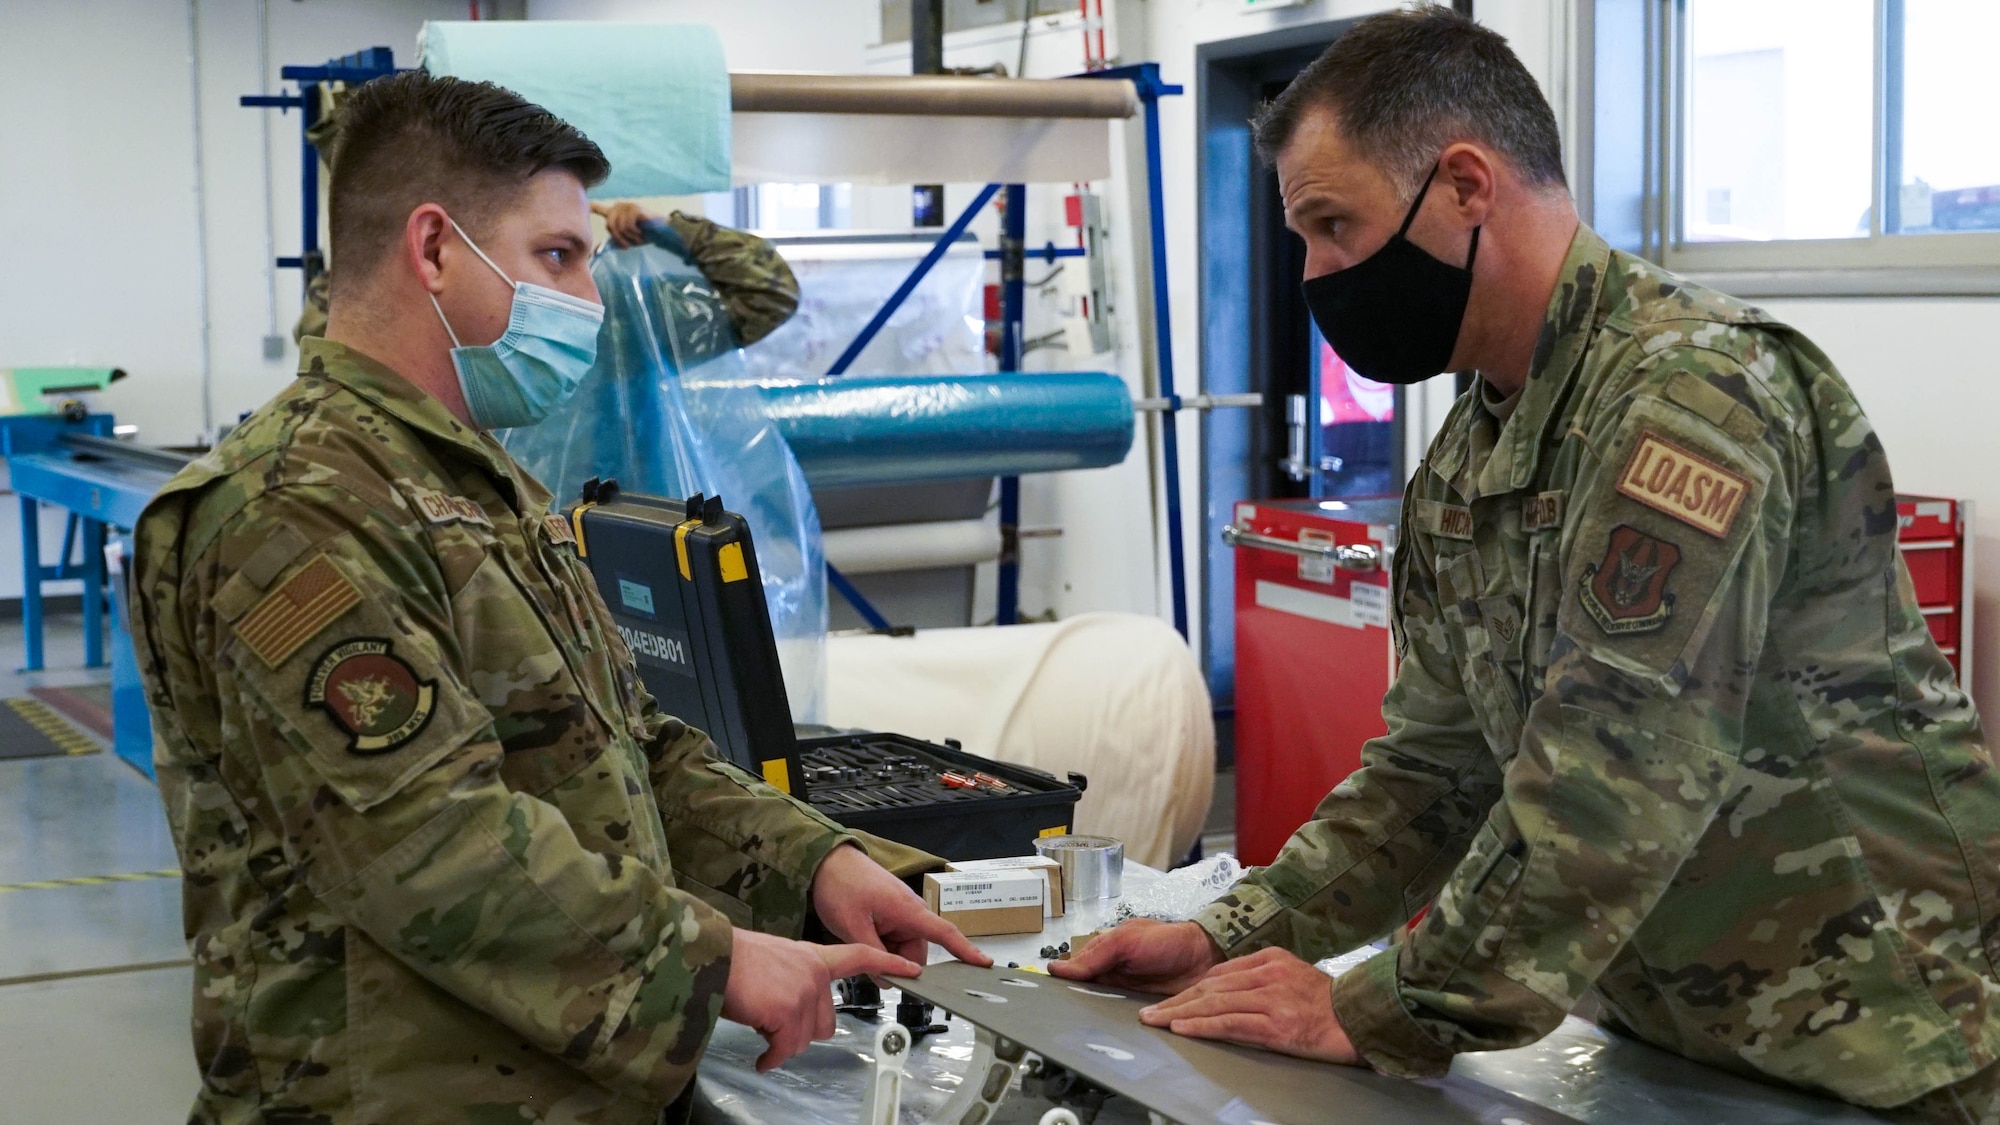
[
  {"x": 1566, "y": 333},
  {"x": 376, "y": 382}
]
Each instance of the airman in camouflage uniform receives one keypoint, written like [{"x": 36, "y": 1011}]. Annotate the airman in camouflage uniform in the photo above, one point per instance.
[
  {"x": 1668, "y": 728},
  {"x": 444, "y": 860}
]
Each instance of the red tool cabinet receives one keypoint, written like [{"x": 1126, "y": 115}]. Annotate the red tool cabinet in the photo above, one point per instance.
[
  {"x": 1313, "y": 655},
  {"x": 1935, "y": 535}
]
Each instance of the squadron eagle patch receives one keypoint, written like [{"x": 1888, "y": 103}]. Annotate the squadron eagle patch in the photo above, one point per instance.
[
  {"x": 1626, "y": 591},
  {"x": 371, "y": 694}
]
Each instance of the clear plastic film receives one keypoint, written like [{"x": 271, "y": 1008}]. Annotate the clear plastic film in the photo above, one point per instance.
[
  {"x": 1181, "y": 893},
  {"x": 667, "y": 411},
  {"x": 843, "y": 282}
]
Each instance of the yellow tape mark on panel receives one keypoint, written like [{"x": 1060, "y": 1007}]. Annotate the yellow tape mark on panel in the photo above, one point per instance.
[
  {"x": 730, "y": 558},
  {"x": 779, "y": 774},
  {"x": 1060, "y": 830}
]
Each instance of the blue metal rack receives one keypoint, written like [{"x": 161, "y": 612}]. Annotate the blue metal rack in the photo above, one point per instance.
[
  {"x": 1145, "y": 78},
  {"x": 352, "y": 69}
]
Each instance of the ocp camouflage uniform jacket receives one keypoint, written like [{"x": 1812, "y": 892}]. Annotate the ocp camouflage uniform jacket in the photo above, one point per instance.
[
  {"x": 444, "y": 860},
  {"x": 1667, "y": 724}
]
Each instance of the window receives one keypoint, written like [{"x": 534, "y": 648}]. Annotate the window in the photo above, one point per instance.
[
  {"x": 784, "y": 207},
  {"x": 1832, "y": 145}
]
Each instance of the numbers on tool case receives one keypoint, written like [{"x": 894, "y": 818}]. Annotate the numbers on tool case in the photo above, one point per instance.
[{"x": 643, "y": 642}]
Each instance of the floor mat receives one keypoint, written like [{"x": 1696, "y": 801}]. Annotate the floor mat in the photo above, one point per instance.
[
  {"x": 30, "y": 728},
  {"x": 86, "y": 705}
]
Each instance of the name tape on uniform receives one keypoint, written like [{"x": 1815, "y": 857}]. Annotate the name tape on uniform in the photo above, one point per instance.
[
  {"x": 439, "y": 508},
  {"x": 1542, "y": 511},
  {"x": 1692, "y": 489}
]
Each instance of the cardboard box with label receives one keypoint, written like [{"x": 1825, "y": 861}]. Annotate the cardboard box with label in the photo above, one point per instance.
[
  {"x": 985, "y": 903},
  {"x": 1048, "y": 866}
]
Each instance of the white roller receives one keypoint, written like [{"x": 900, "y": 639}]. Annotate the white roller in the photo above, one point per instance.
[
  {"x": 1115, "y": 696},
  {"x": 912, "y": 546},
  {"x": 871, "y": 148}
]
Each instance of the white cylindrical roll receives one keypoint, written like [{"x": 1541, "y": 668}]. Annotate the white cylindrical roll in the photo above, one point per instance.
[{"x": 912, "y": 546}]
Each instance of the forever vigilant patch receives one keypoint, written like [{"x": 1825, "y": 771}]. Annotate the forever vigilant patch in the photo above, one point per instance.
[
  {"x": 372, "y": 694},
  {"x": 1693, "y": 490},
  {"x": 296, "y": 611},
  {"x": 1626, "y": 591}
]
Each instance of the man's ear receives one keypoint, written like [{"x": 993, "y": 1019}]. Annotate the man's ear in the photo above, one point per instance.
[
  {"x": 1470, "y": 180},
  {"x": 423, "y": 245}
]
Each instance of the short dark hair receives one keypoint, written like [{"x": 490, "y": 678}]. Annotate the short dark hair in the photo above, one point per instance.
[
  {"x": 1405, "y": 84},
  {"x": 411, "y": 138}
]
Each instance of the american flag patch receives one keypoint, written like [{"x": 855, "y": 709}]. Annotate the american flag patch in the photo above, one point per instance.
[{"x": 296, "y": 611}]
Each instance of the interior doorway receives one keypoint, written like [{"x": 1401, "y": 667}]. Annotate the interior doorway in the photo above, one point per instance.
[{"x": 1323, "y": 431}]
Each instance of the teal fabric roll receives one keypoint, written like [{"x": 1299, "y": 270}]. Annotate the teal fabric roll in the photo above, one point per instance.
[
  {"x": 890, "y": 429},
  {"x": 654, "y": 96}
]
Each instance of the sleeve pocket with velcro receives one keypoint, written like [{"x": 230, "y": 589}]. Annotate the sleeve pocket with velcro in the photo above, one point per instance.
[
  {"x": 347, "y": 678},
  {"x": 1658, "y": 542}
]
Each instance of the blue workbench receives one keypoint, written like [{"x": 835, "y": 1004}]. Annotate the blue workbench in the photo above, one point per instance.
[{"x": 100, "y": 493}]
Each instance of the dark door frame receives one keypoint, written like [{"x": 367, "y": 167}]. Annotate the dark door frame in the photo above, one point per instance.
[{"x": 1230, "y": 76}]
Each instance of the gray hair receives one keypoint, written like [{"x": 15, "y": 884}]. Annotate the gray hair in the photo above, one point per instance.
[{"x": 1405, "y": 84}]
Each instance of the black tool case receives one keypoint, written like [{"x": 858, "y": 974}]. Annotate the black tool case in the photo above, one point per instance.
[
  {"x": 893, "y": 786},
  {"x": 681, "y": 581}
]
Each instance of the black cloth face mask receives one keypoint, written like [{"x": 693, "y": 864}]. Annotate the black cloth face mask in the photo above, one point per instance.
[{"x": 1394, "y": 316}]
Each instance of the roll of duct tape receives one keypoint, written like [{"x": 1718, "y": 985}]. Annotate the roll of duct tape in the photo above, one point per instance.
[{"x": 1093, "y": 867}]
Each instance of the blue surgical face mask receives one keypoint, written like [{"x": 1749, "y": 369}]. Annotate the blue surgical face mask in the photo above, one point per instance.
[{"x": 549, "y": 345}]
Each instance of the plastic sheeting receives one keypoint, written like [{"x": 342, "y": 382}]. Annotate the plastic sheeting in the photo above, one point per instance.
[
  {"x": 940, "y": 328},
  {"x": 889, "y": 429},
  {"x": 667, "y": 411}
]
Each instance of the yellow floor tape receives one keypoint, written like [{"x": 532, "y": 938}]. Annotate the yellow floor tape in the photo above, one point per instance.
[
  {"x": 92, "y": 880},
  {"x": 53, "y": 726}
]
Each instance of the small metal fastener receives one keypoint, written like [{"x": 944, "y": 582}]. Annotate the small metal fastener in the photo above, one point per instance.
[{"x": 893, "y": 1042}]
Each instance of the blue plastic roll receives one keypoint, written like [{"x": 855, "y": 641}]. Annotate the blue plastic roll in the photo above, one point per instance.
[{"x": 903, "y": 428}]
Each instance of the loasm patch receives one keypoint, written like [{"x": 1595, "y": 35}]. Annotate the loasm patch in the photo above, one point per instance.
[
  {"x": 371, "y": 694},
  {"x": 295, "y": 612},
  {"x": 1692, "y": 489},
  {"x": 1626, "y": 591},
  {"x": 557, "y": 529}
]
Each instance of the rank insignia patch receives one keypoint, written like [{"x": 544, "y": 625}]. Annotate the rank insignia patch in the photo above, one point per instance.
[
  {"x": 1626, "y": 592},
  {"x": 1693, "y": 490},
  {"x": 371, "y": 694}
]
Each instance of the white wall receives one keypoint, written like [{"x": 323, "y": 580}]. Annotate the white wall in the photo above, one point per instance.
[
  {"x": 98, "y": 197},
  {"x": 823, "y": 35}
]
